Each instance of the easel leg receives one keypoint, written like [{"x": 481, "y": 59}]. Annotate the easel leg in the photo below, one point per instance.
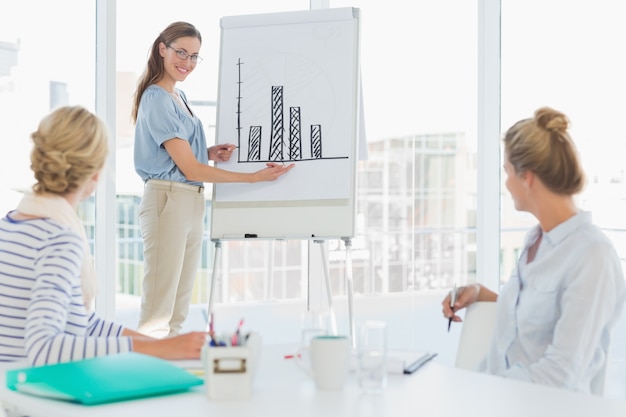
[
  {"x": 216, "y": 269},
  {"x": 348, "y": 243},
  {"x": 329, "y": 292}
]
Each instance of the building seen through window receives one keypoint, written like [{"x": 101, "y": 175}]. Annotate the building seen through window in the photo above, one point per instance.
[{"x": 401, "y": 210}]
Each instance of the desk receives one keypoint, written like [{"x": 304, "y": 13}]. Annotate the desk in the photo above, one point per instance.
[{"x": 281, "y": 389}]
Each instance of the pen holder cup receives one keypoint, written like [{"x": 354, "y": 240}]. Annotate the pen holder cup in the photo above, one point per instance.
[{"x": 230, "y": 370}]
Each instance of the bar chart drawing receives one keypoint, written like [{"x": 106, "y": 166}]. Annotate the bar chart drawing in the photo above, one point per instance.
[
  {"x": 286, "y": 142},
  {"x": 288, "y": 93}
]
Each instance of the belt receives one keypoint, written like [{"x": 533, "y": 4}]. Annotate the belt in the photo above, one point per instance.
[{"x": 171, "y": 185}]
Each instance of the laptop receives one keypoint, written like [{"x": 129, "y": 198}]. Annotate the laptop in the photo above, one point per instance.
[{"x": 104, "y": 379}]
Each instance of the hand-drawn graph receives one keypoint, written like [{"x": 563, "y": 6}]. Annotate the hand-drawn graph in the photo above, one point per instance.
[
  {"x": 287, "y": 94},
  {"x": 288, "y": 91},
  {"x": 285, "y": 145}
]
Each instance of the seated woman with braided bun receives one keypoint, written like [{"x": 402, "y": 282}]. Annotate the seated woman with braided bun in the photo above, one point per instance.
[
  {"x": 47, "y": 279},
  {"x": 556, "y": 311}
]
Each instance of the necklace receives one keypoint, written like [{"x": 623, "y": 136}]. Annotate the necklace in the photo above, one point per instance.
[
  {"x": 176, "y": 96},
  {"x": 180, "y": 101}
]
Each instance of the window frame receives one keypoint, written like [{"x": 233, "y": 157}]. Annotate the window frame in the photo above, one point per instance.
[{"x": 105, "y": 240}]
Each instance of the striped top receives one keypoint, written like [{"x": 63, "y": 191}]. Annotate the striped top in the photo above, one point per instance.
[{"x": 42, "y": 315}]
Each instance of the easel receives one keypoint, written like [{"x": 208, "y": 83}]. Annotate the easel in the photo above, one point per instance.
[
  {"x": 326, "y": 152},
  {"x": 329, "y": 295}
]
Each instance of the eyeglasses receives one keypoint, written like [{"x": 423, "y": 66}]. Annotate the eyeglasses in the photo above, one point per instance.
[{"x": 195, "y": 58}]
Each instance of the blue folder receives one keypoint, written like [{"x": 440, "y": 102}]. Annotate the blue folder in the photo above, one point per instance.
[{"x": 104, "y": 379}]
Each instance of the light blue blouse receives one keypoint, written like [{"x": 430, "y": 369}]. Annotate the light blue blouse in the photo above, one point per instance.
[
  {"x": 555, "y": 314},
  {"x": 160, "y": 118}
]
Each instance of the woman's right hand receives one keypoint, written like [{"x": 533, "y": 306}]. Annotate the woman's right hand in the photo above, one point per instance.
[
  {"x": 465, "y": 296},
  {"x": 184, "y": 346}
]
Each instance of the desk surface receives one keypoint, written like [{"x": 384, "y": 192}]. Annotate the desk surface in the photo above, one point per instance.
[{"x": 281, "y": 389}]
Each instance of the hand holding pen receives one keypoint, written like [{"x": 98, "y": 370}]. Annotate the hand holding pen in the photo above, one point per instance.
[
  {"x": 221, "y": 152},
  {"x": 452, "y": 303},
  {"x": 463, "y": 296}
]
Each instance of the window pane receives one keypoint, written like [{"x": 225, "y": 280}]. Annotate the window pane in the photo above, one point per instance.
[
  {"x": 44, "y": 63},
  {"x": 581, "y": 73},
  {"x": 417, "y": 191}
]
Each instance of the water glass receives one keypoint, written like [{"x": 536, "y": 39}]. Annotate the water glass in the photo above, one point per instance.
[
  {"x": 372, "y": 356},
  {"x": 314, "y": 323}
]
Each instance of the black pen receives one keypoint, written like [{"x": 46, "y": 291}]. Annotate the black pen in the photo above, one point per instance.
[
  {"x": 452, "y": 302},
  {"x": 418, "y": 364}
]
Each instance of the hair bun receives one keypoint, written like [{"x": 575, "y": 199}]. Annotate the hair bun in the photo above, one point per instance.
[
  {"x": 69, "y": 145},
  {"x": 551, "y": 120}
]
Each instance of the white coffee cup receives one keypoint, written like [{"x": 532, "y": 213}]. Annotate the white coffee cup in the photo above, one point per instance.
[{"x": 329, "y": 363}]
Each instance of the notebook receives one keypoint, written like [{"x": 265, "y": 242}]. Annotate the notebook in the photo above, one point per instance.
[{"x": 104, "y": 379}]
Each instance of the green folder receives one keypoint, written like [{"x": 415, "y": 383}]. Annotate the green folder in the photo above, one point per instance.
[{"x": 104, "y": 379}]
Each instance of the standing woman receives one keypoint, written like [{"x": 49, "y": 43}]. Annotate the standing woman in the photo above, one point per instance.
[
  {"x": 556, "y": 312},
  {"x": 172, "y": 158}
]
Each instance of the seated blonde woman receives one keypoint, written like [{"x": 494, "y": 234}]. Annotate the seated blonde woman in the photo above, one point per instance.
[
  {"x": 556, "y": 311},
  {"x": 47, "y": 281}
]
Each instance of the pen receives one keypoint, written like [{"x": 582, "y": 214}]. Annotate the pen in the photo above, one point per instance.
[
  {"x": 234, "y": 340},
  {"x": 291, "y": 356},
  {"x": 417, "y": 365},
  {"x": 212, "y": 331},
  {"x": 452, "y": 301},
  {"x": 206, "y": 319}
]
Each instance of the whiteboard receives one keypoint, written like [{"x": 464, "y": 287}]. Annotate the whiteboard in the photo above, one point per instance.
[{"x": 289, "y": 92}]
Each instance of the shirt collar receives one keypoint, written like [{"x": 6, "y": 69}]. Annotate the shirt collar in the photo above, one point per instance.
[{"x": 560, "y": 232}]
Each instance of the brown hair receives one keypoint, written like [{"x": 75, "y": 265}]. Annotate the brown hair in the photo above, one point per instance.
[
  {"x": 69, "y": 146},
  {"x": 154, "y": 70},
  {"x": 543, "y": 146}
]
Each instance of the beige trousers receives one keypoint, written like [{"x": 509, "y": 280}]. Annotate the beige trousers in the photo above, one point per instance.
[{"x": 171, "y": 218}]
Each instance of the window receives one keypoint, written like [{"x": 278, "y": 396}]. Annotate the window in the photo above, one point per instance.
[
  {"x": 579, "y": 73},
  {"x": 414, "y": 226},
  {"x": 416, "y": 192},
  {"x": 44, "y": 63}
]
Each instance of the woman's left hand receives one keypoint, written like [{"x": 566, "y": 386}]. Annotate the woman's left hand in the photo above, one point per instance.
[{"x": 221, "y": 152}]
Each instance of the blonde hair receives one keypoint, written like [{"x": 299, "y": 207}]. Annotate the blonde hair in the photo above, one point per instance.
[
  {"x": 69, "y": 146},
  {"x": 543, "y": 146}
]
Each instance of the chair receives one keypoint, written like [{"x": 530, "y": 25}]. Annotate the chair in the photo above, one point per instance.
[
  {"x": 597, "y": 383},
  {"x": 476, "y": 333}
]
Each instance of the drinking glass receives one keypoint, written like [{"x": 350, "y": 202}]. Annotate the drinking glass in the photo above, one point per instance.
[
  {"x": 314, "y": 323},
  {"x": 372, "y": 356}
]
